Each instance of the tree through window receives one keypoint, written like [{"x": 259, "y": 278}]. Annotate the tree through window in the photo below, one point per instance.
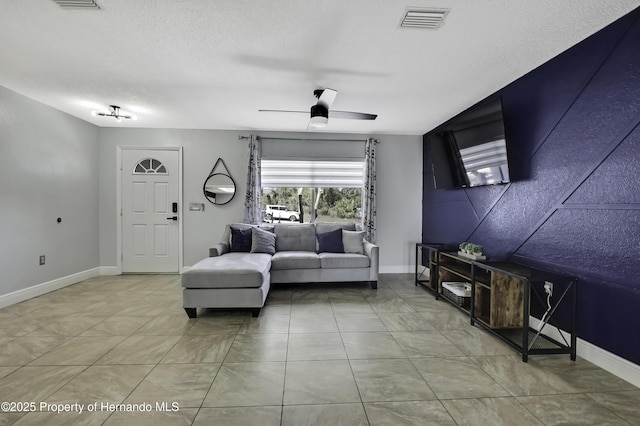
[{"x": 317, "y": 190}]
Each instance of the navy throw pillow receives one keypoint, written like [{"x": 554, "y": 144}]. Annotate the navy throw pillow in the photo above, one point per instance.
[
  {"x": 240, "y": 239},
  {"x": 330, "y": 242}
]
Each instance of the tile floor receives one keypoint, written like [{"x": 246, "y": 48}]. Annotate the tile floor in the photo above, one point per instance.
[{"x": 339, "y": 354}]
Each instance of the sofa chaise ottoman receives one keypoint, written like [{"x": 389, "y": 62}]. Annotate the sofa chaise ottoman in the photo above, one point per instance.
[
  {"x": 238, "y": 273},
  {"x": 236, "y": 280}
]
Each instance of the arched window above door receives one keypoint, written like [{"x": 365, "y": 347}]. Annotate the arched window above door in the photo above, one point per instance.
[{"x": 149, "y": 166}]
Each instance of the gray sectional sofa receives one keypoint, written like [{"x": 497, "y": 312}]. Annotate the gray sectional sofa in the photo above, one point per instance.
[{"x": 241, "y": 268}]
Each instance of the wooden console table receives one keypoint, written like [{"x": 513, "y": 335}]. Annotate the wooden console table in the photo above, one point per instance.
[
  {"x": 504, "y": 295},
  {"x": 428, "y": 253},
  {"x": 508, "y": 282}
]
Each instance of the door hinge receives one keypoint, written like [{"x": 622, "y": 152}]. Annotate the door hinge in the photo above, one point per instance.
[{"x": 120, "y": 212}]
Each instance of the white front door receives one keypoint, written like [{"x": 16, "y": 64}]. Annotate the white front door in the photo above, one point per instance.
[{"x": 150, "y": 210}]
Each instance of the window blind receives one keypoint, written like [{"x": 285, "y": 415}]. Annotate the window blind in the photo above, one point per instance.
[{"x": 312, "y": 174}]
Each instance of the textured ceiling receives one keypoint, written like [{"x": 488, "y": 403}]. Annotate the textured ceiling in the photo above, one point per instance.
[{"x": 211, "y": 64}]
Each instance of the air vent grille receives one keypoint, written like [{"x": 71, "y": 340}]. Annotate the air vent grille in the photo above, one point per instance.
[
  {"x": 77, "y": 4},
  {"x": 424, "y": 18}
]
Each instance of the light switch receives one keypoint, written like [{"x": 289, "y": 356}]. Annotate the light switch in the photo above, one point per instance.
[{"x": 196, "y": 207}]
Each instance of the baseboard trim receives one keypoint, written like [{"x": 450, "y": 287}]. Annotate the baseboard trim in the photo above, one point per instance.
[
  {"x": 618, "y": 366},
  {"x": 47, "y": 287},
  {"x": 396, "y": 269},
  {"x": 109, "y": 270},
  {"x": 614, "y": 364}
]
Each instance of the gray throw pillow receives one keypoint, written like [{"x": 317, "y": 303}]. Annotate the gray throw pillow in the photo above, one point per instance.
[
  {"x": 263, "y": 241},
  {"x": 352, "y": 241}
]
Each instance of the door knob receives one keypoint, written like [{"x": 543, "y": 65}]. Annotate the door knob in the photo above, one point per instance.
[{"x": 172, "y": 218}]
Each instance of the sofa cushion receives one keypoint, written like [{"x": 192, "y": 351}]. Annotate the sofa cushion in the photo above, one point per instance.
[
  {"x": 232, "y": 270},
  {"x": 240, "y": 239},
  {"x": 343, "y": 260},
  {"x": 226, "y": 238},
  {"x": 295, "y": 260},
  {"x": 295, "y": 237},
  {"x": 321, "y": 228},
  {"x": 263, "y": 241},
  {"x": 352, "y": 241},
  {"x": 330, "y": 242}
]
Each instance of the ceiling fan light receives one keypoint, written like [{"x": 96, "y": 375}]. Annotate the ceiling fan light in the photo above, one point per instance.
[
  {"x": 116, "y": 113},
  {"x": 318, "y": 121},
  {"x": 319, "y": 116}
]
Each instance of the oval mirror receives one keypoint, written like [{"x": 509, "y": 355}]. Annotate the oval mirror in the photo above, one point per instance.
[{"x": 219, "y": 188}]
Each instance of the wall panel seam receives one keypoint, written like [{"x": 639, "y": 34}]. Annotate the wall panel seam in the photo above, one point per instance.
[
  {"x": 617, "y": 141},
  {"x": 604, "y": 206},
  {"x": 490, "y": 209},
  {"x": 581, "y": 91},
  {"x": 602, "y": 279}
]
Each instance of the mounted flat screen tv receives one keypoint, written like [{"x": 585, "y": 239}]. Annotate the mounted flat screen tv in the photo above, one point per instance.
[{"x": 470, "y": 149}]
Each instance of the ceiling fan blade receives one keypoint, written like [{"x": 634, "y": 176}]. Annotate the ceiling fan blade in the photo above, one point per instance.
[
  {"x": 283, "y": 110},
  {"x": 327, "y": 97},
  {"x": 352, "y": 115}
]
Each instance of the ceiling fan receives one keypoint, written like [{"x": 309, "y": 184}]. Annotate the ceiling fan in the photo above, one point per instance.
[{"x": 319, "y": 114}]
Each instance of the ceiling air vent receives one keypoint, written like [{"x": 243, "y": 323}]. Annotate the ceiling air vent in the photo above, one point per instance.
[
  {"x": 424, "y": 18},
  {"x": 77, "y": 4}
]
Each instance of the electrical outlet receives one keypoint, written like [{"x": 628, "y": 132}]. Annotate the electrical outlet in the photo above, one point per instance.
[
  {"x": 42, "y": 259},
  {"x": 548, "y": 288}
]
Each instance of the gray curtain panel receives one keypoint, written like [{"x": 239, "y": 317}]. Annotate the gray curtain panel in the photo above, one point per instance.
[
  {"x": 252, "y": 210},
  {"x": 369, "y": 195}
]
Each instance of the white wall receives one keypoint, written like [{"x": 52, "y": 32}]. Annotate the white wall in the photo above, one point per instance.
[
  {"x": 201, "y": 149},
  {"x": 399, "y": 188},
  {"x": 399, "y": 201},
  {"x": 48, "y": 169},
  {"x": 55, "y": 165}
]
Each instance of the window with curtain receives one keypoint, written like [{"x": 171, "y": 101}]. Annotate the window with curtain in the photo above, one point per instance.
[{"x": 312, "y": 190}]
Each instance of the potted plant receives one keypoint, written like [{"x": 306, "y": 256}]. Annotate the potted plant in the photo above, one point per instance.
[
  {"x": 477, "y": 249},
  {"x": 471, "y": 250}
]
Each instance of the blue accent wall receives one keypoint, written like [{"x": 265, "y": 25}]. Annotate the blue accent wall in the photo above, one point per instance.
[{"x": 573, "y": 134}]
